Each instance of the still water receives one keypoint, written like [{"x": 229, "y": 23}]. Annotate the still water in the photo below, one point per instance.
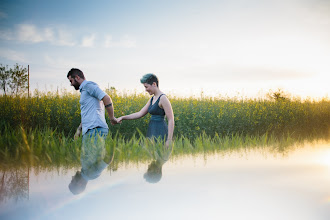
[{"x": 256, "y": 183}]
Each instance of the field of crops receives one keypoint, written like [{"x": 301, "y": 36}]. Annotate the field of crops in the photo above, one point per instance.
[{"x": 193, "y": 116}]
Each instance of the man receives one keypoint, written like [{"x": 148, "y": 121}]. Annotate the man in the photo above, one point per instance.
[
  {"x": 92, "y": 113},
  {"x": 93, "y": 128}
]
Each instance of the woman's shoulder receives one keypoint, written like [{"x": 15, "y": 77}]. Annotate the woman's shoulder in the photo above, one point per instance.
[{"x": 162, "y": 97}]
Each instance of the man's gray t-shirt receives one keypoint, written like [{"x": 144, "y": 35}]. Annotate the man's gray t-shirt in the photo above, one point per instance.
[{"x": 91, "y": 106}]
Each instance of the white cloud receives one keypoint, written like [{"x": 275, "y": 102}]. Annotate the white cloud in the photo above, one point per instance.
[
  {"x": 13, "y": 55},
  {"x": 64, "y": 38},
  {"x": 88, "y": 41},
  {"x": 29, "y": 33},
  {"x": 125, "y": 42},
  {"x": 49, "y": 34},
  {"x": 108, "y": 40}
]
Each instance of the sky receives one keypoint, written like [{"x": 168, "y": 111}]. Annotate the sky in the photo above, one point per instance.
[{"x": 221, "y": 48}]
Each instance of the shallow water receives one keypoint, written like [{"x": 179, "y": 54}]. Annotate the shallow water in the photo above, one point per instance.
[{"x": 242, "y": 184}]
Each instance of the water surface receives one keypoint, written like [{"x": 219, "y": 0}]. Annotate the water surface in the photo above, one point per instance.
[{"x": 257, "y": 183}]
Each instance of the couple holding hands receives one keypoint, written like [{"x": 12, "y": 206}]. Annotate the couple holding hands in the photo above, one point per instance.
[{"x": 93, "y": 117}]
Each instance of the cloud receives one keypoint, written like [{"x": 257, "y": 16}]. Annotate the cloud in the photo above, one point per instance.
[
  {"x": 13, "y": 55},
  {"x": 55, "y": 35},
  {"x": 64, "y": 38},
  {"x": 88, "y": 41},
  {"x": 125, "y": 42},
  {"x": 29, "y": 33}
]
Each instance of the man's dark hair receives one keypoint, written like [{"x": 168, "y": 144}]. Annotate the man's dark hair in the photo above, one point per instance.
[
  {"x": 77, "y": 184},
  {"x": 75, "y": 72},
  {"x": 149, "y": 78}
]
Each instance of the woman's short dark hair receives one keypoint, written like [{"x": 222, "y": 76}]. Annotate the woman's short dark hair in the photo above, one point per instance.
[
  {"x": 75, "y": 72},
  {"x": 149, "y": 78}
]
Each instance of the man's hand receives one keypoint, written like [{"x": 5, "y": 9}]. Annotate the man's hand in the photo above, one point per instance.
[
  {"x": 114, "y": 121},
  {"x": 78, "y": 132}
]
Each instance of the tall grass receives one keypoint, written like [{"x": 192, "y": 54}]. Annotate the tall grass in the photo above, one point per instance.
[
  {"x": 46, "y": 149},
  {"x": 193, "y": 116}
]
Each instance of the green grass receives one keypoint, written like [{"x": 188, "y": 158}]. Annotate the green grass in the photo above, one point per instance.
[{"x": 49, "y": 149}]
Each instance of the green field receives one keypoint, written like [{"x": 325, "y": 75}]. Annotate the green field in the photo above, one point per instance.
[
  {"x": 38, "y": 131},
  {"x": 193, "y": 116}
]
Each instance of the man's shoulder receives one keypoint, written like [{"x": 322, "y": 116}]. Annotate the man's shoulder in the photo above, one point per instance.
[
  {"x": 93, "y": 89},
  {"x": 89, "y": 85}
]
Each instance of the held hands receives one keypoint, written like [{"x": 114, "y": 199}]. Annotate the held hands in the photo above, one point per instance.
[
  {"x": 114, "y": 121},
  {"x": 119, "y": 120}
]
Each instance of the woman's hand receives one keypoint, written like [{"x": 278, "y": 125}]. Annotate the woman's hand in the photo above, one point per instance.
[
  {"x": 168, "y": 143},
  {"x": 119, "y": 120}
]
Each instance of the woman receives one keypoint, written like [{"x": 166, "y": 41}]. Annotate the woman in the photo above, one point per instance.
[{"x": 158, "y": 106}]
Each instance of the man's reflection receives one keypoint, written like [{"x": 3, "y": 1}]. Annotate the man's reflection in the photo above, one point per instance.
[
  {"x": 160, "y": 154},
  {"x": 94, "y": 159}
]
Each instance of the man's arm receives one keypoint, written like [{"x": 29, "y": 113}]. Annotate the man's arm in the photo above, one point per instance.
[{"x": 109, "y": 107}]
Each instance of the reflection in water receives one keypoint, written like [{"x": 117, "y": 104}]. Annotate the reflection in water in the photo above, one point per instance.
[
  {"x": 160, "y": 155},
  {"x": 94, "y": 159},
  {"x": 14, "y": 184},
  {"x": 245, "y": 174},
  {"x": 248, "y": 183}
]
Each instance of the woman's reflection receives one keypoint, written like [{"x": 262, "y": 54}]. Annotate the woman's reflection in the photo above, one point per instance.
[
  {"x": 94, "y": 159},
  {"x": 160, "y": 154}
]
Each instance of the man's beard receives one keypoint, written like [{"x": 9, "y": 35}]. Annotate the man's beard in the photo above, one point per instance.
[{"x": 76, "y": 85}]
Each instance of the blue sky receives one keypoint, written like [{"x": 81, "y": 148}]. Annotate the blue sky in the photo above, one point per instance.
[{"x": 220, "y": 47}]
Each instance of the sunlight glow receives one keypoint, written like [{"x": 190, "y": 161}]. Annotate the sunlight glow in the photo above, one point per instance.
[{"x": 325, "y": 158}]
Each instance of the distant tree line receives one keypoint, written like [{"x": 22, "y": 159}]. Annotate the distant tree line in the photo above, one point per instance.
[{"x": 13, "y": 81}]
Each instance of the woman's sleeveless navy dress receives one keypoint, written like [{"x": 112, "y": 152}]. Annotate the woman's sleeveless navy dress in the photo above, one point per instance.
[{"x": 157, "y": 125}]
